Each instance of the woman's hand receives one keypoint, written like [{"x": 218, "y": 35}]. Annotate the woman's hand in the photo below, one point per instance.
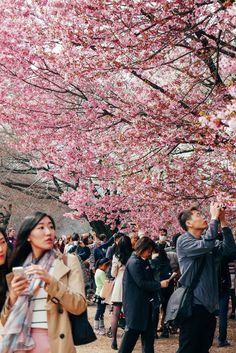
[
  {"x": 165, "y": 283},
  {"x": 40, "y": 272},
  {"x": 18, "y": 285}
]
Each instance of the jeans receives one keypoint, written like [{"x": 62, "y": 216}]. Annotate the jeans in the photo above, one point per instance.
[
  {"x": 197, "y": 332},
  {"x": 101, "y": 307},
  {"x": 223, "y": 315}
]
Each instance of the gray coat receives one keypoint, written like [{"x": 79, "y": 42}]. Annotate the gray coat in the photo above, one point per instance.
[{"x": 190, "y": 251}]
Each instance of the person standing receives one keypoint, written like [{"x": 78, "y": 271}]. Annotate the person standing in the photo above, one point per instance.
[
  {"x": 200, "y": 240},
  {"x": 140, "y": 290},
  {"x": 101, "y": 267},
  {"x": 35, "y": 315},
  {"x": 165, "y": 270},
  {"x": 119, "y": 260},
  {"x": 232, "y": 270},
  {"x": 11, "y": 236},
  {"x": 4, "y": 258},
  {"x": 224, "y": 293}
]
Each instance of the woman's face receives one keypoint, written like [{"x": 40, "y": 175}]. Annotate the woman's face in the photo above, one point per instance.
[
  {"x": 147, "y": 254},
  {"x": 3, "y": 249},
  {"x": 42, "y": 237}
]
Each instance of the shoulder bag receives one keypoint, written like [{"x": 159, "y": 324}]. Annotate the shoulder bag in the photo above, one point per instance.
[
  {"x": 180, "y": 304},
  {"x": 82, "y": 331},
  {"x": 107, "y": 289}
]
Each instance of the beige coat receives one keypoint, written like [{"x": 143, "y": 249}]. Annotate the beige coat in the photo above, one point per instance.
[{"x": 67, "y": 289}]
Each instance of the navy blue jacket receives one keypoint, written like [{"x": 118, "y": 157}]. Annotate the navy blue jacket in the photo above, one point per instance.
[{"x": 139, "y": 291}]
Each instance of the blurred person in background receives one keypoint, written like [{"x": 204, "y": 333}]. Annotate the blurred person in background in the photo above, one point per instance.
[
  {"x": 134, "y": 238},
  {"x": 83, "y": 249},
  {"x": 100, "y": 278},
  {"x": 11, "y": 236},
  {"x": 112, "y": 249},
  {"x": 68, "y": 243},
  {"x": 100, "y": 251},
  {"x": 165, "y": 270},
  {"x": 5, "y": 252},
  {"x": 232, "y": 270},
  {"x": 122, "y": 254},
  {"x": 163, "y": 238},
  {"x": 224, "y": 295}
]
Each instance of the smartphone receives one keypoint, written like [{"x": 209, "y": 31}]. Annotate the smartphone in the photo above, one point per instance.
[
  {"x": 174, "y": 274},
  {"x": 18, "y": 271}
]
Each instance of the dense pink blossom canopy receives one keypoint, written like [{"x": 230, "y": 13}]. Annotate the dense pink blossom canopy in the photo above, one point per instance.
[{"x": 130, "y": 102}]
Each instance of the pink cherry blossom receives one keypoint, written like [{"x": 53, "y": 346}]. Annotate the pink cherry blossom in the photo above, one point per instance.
[{"x": 130, "y": 103}]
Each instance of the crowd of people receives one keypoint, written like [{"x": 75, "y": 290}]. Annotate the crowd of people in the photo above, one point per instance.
[{"x": 134, "y": 276}]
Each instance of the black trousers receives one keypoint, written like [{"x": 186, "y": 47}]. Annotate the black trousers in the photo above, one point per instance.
[
  {"x": 131, "y": 336},
  {"x": 197, "y": 333}
]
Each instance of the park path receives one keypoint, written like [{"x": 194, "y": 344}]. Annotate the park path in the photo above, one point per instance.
[{"x": 103, "y": 344}]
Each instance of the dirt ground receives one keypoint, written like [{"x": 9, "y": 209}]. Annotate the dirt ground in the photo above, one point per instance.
[{"x": 103, "y": 343}]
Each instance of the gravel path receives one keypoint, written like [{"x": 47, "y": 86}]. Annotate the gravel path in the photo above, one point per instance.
[{"x": 102, "y": 344}]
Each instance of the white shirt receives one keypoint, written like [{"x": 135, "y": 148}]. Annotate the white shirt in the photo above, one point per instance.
[{"x": 39, "y": 318}]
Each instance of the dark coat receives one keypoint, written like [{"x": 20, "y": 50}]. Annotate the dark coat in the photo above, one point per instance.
[{"x": 139, "y": 291}]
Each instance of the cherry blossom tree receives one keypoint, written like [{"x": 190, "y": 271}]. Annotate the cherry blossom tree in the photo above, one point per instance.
[{"x": 130, "y": 103}]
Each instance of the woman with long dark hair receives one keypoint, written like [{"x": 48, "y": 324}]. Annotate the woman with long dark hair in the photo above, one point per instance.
[
  {"x": 140, "y": 292},
  {"x": 119, "y": 260},
  {"x": 4, "y": 258},
  {"x": 35, "y": 315}
]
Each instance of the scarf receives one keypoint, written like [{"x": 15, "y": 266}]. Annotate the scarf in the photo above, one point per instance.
[{"x": 17, "y": 330}]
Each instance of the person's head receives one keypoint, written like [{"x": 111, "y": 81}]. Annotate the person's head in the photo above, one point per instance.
[
  {"x": 162, "y": 234},
  {"x": 68, "y": 239},
  {"x": 3, "y": 247},
  {"x": 36, "y": 235},
  {"x": 175, "y": 238},
  {"x": 192, "y": 219},
  {"x": 117, "y": 237},
  {"x": 90, "y": 239},
  {"x": 85, "y": 239},
  {"x": 11, "y": 232},
  {"x": 75, "y": 238},
  {"x": 134, "y": 238},
  {"x": 144, "y": 247},
  {"x": 102, "y": 237},
  {"x": 93, "y": 233},
  {"x": 124, "y": 249},
  {"x": 103, "y": 264}
]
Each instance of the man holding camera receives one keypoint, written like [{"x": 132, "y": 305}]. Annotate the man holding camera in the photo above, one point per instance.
[{"x": 200, "y": 240}]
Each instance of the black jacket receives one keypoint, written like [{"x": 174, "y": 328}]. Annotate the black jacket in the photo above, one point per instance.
[
  {"x": 140, "y": 290},
  {"x": 224, "y": 275}
]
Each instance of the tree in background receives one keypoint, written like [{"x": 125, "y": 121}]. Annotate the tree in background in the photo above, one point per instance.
[{"x": 131, "y": 103}]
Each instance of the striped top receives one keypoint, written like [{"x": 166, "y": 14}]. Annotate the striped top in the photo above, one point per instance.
[
  {"x": 232, "y": 267},
  {"x": 39, "y": 318}
]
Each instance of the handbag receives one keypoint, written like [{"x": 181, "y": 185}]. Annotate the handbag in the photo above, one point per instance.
[
  {"x": 82, "y": 331},
  {"x": 180, "y": 304},
  {"x": 107, "y": 289}
]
